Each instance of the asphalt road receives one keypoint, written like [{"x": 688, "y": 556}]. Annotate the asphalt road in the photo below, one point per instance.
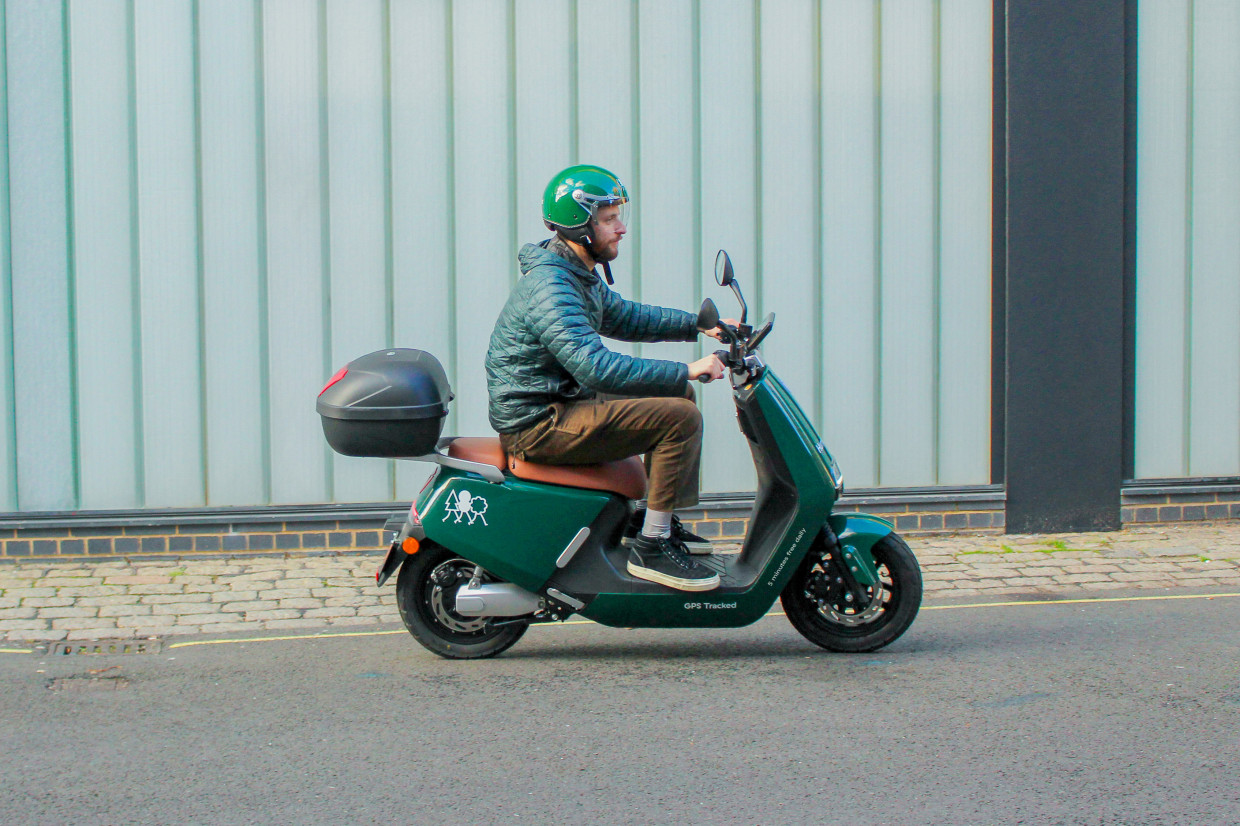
[{"x": 1111, "y": 712}]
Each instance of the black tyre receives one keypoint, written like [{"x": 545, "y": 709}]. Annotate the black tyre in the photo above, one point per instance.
[
  {"x": 426, "y": 596},
  {"x": 815, "y": 603}
]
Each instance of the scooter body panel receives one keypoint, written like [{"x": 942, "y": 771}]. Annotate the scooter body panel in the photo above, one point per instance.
[
  {"x": 801, "y": 469},
  {"x": 516, "y": 530}
]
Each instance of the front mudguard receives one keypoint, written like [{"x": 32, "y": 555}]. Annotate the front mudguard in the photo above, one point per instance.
[{"x": 857, "y": 534}]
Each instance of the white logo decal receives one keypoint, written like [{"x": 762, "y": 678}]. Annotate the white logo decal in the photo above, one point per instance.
[{"x": 466, "y": 506}]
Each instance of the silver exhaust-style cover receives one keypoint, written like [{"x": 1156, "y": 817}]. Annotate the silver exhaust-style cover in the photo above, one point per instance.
[{"x": 496, "y": 599}]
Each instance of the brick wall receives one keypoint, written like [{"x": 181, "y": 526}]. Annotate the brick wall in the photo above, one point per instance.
[
  {"x": 919, "y": 511},
  {"x": 182, "y": 540},
  {"x": 341, "y": 529},
  {"x": 1166, "y": 501},
  {"x": 170, "y": 534}
]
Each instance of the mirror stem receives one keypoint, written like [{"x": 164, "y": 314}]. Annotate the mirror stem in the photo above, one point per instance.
[{"x": 741, "y": 299}]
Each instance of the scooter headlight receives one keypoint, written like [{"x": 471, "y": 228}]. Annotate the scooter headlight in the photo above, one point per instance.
[{"x": 833, "y": 468}]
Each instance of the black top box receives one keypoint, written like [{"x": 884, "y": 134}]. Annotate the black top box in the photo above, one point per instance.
[{"x": 389, "y": 403}]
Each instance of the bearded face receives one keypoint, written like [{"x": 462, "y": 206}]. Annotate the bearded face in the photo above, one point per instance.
[{"x": 609, "y": 230}]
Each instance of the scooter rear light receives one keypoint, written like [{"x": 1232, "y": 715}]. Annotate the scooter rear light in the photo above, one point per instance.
[
  {"x": 340, "y": 374},
  {"x": 413, "y": 508}
]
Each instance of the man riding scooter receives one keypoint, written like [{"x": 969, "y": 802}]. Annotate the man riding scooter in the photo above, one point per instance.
[{"x": 559, "y": 396}]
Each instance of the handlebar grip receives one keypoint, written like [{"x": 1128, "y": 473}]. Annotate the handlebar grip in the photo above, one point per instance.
[{"x": 722, "y": 355}]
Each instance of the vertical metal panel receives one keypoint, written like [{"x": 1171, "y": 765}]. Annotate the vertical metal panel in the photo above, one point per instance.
[
  {"x": 608, "y": 120},
  {"x": 606, "y": 97},
  {"x": 103, "y": 232},
  {"x": 1188, "y": 252},
  {"x": 422, "y": 171},
  {"x": 357, "y": 169},
  {"x": 296, "y": 293},
  {"x": 963, "y": 222},
  {"x": 168, "y": 253},
  {"x": 668, "y": 263},
  {"x": 1214, "y": 391},
  {"x": 266, "y": 190},
  {"x": 909, "y": 262},
  {"x": 850, "y": 236},
  {"x": 789, "y": 200},
  {"x": 1162, "y": 237},
  {"x": 234, "y": 301},
  {"x": 728, "y": 56},
  {"x": 40, "y": 256},
  {"x": 545, "y": 70},
  {"x": 484, "y": 243},
  {"x": 8, "y": 435}
]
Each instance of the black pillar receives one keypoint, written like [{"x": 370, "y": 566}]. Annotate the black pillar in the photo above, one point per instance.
[{"x": 1065, "y": 208}]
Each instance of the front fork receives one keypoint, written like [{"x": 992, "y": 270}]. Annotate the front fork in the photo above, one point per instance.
[{"x": 852, "y": 567}]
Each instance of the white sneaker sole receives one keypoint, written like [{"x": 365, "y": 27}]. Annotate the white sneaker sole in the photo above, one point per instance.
[
  {"x": 694, "y": 549},
  {"x": 672, "y": 581}
]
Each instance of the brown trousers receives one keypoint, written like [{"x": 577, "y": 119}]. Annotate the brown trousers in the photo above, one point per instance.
[{"x": 608, "y": 428}]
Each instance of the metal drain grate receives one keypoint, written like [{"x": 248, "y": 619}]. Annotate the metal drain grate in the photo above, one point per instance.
[
  {"x": 88, "y": 683},
  {"x": 112, "y": 647}
]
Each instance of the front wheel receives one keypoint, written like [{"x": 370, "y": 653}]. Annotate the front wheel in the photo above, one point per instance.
[
  {"x": 426, "y": 596},
  {"x": 814, "y": 600}
]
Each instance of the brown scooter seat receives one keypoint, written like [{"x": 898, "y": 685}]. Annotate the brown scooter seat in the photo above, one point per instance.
[{"x": 626, "y": 477}]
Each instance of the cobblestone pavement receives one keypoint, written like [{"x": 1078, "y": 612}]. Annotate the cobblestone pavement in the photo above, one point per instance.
[{"x": 116, "y": 598}]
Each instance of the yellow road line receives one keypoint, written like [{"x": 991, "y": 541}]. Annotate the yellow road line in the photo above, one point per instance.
[
  {"x": 288, "y": 637},
  {"x": 1080, "y": 601},
  {"x": 1083, "y": 600},
  {"x": 16, "y": 650}
]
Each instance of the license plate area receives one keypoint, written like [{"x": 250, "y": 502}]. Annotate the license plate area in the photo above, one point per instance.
[{"x": 390, "y": 563}]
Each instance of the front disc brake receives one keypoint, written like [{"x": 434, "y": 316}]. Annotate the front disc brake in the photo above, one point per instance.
[{"x": 827, "y": 588}]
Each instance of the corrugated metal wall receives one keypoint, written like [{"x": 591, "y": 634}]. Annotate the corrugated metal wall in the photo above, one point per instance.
[
  {"x": 209, "y": 206},
  {"x": 1188, "y": 240}
]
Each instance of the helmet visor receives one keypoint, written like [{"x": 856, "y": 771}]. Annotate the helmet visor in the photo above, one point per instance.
[{"x": 604, "y": 210}]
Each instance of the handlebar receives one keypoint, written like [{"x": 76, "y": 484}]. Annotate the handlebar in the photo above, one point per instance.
[{"x": 742, "y": 339}]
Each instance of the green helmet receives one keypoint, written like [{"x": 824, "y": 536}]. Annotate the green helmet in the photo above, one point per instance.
[{"x": 574, "y": 197}]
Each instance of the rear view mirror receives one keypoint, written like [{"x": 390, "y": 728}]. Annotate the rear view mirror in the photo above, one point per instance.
[
  {"x": 723, "y": 269},
  {"x": 726, "y": 278}
]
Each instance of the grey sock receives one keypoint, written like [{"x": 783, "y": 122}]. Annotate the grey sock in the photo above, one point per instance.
[{"x": 658, "y": 523}]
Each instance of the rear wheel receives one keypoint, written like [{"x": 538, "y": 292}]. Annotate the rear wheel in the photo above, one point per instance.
[
  {"x": 426, "y": 596},
  {"x": 815, "y": 600}
]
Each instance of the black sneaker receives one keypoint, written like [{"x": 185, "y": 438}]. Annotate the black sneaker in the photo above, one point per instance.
[
  {"x": 663, "y": 560},
  {"x": 693, "y": 543}
]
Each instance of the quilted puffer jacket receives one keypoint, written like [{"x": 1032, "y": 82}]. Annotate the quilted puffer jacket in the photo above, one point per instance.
[{"x": 546, "y": 346}]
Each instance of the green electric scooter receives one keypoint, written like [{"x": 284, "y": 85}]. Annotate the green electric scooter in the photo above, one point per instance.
[{"x": 493, "y": 545}]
